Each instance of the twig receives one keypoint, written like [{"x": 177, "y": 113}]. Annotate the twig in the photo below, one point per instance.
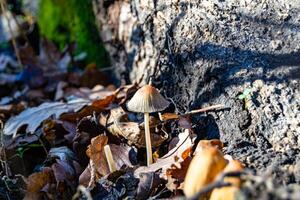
[
  {"x": 214, "y": 107},
  {"x": 2, "y": 151},
  {"x": 4, "y": 9}
]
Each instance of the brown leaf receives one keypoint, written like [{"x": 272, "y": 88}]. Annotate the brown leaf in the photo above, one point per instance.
[
  {"x": 96, "y": 106},
  {"x": 118, "y": 124},
  {"x": 177, "y": 171},
  {"x": 36, "y": 182},
  {"x": 65, "y": 169},
  {"x": 95, "y": 151},
  {"x": 57, "y": 131},
  {"x": 105, "y": 102}
]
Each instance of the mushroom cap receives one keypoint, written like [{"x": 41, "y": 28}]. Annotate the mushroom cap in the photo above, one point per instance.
[{"x": 147, "y": 100}]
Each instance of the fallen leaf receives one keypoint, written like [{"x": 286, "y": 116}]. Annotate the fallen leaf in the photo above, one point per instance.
[
  {"x": 58, "y": 132},
  {"x": 7, "y": 61},
  {"x": 185, "y": 142},
  {"x": 168, "y": 116},
  {"x": 148, "y": 184},
  {"x": 35, "y": 183},
  {"x": 65, "y": 166},
  {"x": 118, "y": 185},
  {"x": 95, "y": 151},
  {"x": 118, "y": 123},
  {"x": 34, "y": 116},
  {"x": 86, "y": 129},
  {"x": 176, "y": 172}
]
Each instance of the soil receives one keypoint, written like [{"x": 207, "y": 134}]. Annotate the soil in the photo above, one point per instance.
[{"x": 211, "y": 52}]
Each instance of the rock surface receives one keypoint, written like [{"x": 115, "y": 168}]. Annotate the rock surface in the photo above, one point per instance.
[{"x": 212, "y": 52}]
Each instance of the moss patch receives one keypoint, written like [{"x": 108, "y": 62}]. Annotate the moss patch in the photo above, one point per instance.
[{"x": 65, "y": 21}]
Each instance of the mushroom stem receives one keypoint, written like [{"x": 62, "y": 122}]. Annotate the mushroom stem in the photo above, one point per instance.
[
  {"x": 148, "y": 139},
  {"x": 109, "y": 158}
]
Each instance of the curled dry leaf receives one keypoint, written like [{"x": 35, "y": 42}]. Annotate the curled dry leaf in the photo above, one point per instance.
[
  {"x": 177, "y": 171},
  {"x": 229, "y": 192},
  {"x": 118, "y": 124},
  {"x": 184, "y": 144},
  {"x": 122, "y": 155},
  {"x": 203, "y": 169}
]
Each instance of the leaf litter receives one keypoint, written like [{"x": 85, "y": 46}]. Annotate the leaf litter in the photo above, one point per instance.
[{"x": 62, "y": 120}]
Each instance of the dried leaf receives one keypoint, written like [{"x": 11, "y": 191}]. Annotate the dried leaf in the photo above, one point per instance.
[
  {"x": 57, "y": 131},
  {"x": 118, "y": 124},
  {"x": 86, "y": 129},
  {"x": 95, "y": 151},
  {"x": 65, "y": 169},
  {"x": 184, "y": 144},
  {"x": 34, "y": 116},
  {"x": 97, "y": 106},
  {"x": 118, "y": 185},
  {"x": 176, "y": 172},
  {"x": 148, "y": 183},
  {"x": 36, "y": 182},
  {"x": 105, "y": 102}
]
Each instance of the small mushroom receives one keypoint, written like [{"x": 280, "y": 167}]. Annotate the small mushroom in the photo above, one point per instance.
[{"x": 147, "y": 100}]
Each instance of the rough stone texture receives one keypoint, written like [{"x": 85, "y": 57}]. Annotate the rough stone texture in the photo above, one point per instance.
[{"x": 209, "y": 52}]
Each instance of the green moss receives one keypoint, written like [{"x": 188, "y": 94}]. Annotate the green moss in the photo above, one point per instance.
[{"x": 65, "y": 21}]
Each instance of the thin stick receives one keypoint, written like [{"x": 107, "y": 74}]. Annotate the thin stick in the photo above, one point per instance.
[
  {"x": 148, "y": 139},
  {"x": 110, "y": 159},
  {"x": 218, "y": 106},
  {"x": 3, "y": 8}
]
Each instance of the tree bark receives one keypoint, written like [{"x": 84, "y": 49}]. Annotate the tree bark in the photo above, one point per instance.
[{"x": 240, "y": 53}]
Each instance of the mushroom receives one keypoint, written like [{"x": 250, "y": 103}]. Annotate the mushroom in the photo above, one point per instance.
[{"x": 147, "y": 100}]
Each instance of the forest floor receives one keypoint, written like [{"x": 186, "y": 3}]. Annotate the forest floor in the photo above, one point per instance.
[{"x": 57, "y": 113}]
